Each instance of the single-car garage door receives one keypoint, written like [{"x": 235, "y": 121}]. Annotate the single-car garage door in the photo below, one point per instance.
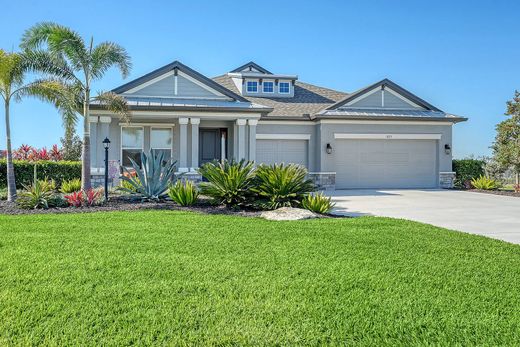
[
  {"x": 282, "y": 151},
  {"x": 370, "y": 163}
]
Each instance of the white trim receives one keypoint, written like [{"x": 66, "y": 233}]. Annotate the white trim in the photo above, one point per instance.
[
  {"x": 253, "y": 81},
  {"x": 217, "y": 98},
  {"x": 194, "y": 120},
  {"x": 285, "y": 122},
  {"x": 383, "y": 97},
  {"x": 183, "y": 120},
  {"x": 263, "y": 83},
  {"x": 388, "y": 136},
  {"x": 175, "y": 84},
  {"x": 403, "y": 98},
  {"x": 252, "y": 122},
  {"x": 363, "y": 96},
  {"x": 447, "y": 172},
  {"x": 322, "y": 173},
  {"x": 121, "y": 141},
  {"x": 156, "y": 125},
  {"x": 150, "y": 82},
  {"x": 289, "y": 83},
  {"x": 228, "y": 115},
  {"x": 241, "y": 121},
  {"x": 397, "y": 122},
  {"x": 283, "y": 136}
]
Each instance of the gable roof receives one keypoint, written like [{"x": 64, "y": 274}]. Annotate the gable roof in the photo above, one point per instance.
[
  {"x": 185, "y": 69},
  {"x": 307, "y": 101},
  {"x": 250, "y": 65},
  {"x": 383, "y": 83}
]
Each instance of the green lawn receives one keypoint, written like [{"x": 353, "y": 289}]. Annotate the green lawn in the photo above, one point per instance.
[{"x": 158, "y": 277}]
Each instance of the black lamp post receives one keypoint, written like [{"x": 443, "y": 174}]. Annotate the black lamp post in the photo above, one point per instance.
[{"x": 106, "y": 144}]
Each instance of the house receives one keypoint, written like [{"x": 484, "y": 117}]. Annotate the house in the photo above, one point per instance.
[{"x": 381, "y": 136}]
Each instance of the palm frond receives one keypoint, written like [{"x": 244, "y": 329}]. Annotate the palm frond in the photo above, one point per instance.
[
  {"x": 60, "y": 41},
  {"x": 48, "y": 63},
  {"x": 108, "y": 54},
  {"x": 11, "y": 72},
  {"x": 114, "y": 103}
]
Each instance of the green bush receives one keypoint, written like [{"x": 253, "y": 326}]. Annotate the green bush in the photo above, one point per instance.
[
  {"x": 40, "y": 194},
  {"x": 70, "y": 186},
  {"x": 466, "y": 170},
  {"x": 484, "y": 183},
  {"x": 281, "y": 185},
  {"x": 59, "y": 171},
  {"x": 318, "y": 203},
  {"x": 229, "y": 182},
  {"x": 183, "y": 193},
  {"x": 3, "y": 193}
]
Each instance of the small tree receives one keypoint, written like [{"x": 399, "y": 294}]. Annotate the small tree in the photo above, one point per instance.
[
  {"x": 71, "y": 145},
  {"x": 506, "y": 147}
]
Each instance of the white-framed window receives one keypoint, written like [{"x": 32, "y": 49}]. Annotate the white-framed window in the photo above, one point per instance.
[
  {"x": 268, "y": 87},
  {"x": 252, "y": 86},
  {"x": 284, "y": 87},
  {"x": 161, "y": 141},
  {"x": 132, "y": 144}
]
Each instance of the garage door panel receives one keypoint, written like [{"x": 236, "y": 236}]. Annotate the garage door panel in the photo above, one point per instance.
[
  {"x": 386, "y": 164},
  {"x": 282, "y": 151}
]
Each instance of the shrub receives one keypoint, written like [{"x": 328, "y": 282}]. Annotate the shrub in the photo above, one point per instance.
[
  {"x": 318, "y": 203},
  {"x": 40, "y": 194},
  {"x": 3, "y": 193},
  {"x": 90, "y": 197},
  {"x": 466, "y": 170},
  {"x": 281, "y": 185},
  {"x": 59, "y": 171},
  {"x": 183, "y": 193},
  {"x": 70, "y": 186},
  {"x": 229, "y": 182},
  {"x": 484, "y": 183},
  {"x": 75, "y": 199},
  {"x": 151, "y": 180}
]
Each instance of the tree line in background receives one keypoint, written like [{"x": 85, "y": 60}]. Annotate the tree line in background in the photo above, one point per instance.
[{"x": 66, "y": 67}]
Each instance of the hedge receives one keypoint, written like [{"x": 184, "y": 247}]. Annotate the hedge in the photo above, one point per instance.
[
  {"x": 466, "y": 170},
  {"x": 24, "y": 171}
]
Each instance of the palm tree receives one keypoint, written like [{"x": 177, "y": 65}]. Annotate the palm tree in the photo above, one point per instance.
[
  {"x": 61, "y": 52},
  {"x": 13, "y": 70}
]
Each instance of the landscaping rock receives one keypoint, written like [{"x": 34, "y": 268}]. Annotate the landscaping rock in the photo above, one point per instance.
[{"x": 288, "y": 213}]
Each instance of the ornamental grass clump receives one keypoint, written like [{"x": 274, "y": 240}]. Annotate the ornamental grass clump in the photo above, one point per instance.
[
  {"x": 484, "y": 183},
  {"x": 183, "y": 193},
  {"x": 281, "y": 185},
  {"x": 319, "y": 203},
  {"x": 151, "y": 178},
  {"x": 70, "y": 186},
  {"x": 228, "y": 182}
]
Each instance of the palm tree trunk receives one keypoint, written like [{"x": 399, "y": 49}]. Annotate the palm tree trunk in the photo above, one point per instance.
[
  {"x": 85, "y": 153},
  {"x": 11, "y": 182}
]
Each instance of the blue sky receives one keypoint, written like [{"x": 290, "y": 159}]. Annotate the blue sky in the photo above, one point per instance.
[{"x": 461, "y": 56}]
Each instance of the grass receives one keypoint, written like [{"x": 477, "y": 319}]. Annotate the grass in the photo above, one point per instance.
[{"x": 157, "y": 277}]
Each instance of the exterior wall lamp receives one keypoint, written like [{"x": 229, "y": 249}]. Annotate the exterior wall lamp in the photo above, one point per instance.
[
  {"x": 447, "y": 149},
  {"x": 329, "y": 148},
  {"x": 106, "y": 145}
]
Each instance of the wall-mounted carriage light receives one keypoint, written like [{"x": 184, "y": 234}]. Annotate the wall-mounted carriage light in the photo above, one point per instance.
[
  {"x": 447, "y": 149},
  {"x": 329, "y": 148}
]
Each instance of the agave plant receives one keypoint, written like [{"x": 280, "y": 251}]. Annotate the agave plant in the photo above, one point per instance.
[
  {"x": 280, "y": 185},
  {"x": 319, "y": 203},
  {"x": 229, "y": 182},
  {"x": 151, "y": 179}
]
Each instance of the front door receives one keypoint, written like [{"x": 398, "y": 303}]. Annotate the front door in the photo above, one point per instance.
[{"x": 210, "y": 145}]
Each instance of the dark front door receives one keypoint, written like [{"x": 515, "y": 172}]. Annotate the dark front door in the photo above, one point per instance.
[{"x": 209, "y": 145}]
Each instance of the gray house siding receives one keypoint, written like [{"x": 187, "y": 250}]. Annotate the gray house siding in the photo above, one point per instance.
[{"x": 166, "y": 88}]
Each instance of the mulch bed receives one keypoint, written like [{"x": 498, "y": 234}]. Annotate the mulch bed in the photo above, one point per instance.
[
  {"x": 496, "y": 192},
  {"x": 125, "y": 203}
]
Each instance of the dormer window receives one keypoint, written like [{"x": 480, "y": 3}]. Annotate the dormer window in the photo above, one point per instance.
[
  {"x": 268, "y": 87},
  {"x": 284, "y": 87},
  {"x": 252, "y": 86}
]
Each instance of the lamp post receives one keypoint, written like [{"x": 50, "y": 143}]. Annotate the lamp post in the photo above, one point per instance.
[{"x": 106, "y": 144}]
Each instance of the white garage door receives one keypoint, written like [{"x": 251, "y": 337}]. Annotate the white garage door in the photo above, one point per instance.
[
  {"x": 386, "y": 164},
  {"x": 281, "y": 151}
]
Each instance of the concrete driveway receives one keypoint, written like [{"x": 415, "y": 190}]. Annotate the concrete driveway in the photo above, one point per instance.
[{"x": 477, "y": 213}]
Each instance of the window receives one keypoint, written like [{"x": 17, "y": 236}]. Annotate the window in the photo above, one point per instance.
[
  {"x": 284, "y": 88},
  {"x": 252, "y": 86},
  {"x": 268, "y": 87},
  {"x": 161, "y": 141},
  {"x": 131, "y": 145}
]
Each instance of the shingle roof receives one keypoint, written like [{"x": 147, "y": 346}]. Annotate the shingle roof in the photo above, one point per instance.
[{"x": 308, "y": 99}]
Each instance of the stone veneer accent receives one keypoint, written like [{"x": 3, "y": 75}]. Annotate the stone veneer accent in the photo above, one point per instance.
[
  {"x": 323, "y": 180},
  {"x": 446, "y": 179}
]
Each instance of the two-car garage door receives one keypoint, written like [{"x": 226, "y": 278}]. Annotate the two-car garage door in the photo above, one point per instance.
[{"x": 373, "y": 163}]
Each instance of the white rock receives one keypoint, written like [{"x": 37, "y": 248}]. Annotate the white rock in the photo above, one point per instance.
[{"x": 288, "y": 213}]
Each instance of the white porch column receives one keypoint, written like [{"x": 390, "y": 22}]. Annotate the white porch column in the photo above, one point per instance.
[
  {"x": 252, "y": 138},
  {"x": 194, "y": 143},
  {"x": 241, "y": 136},
  {"x": 183, "y": 146}
]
